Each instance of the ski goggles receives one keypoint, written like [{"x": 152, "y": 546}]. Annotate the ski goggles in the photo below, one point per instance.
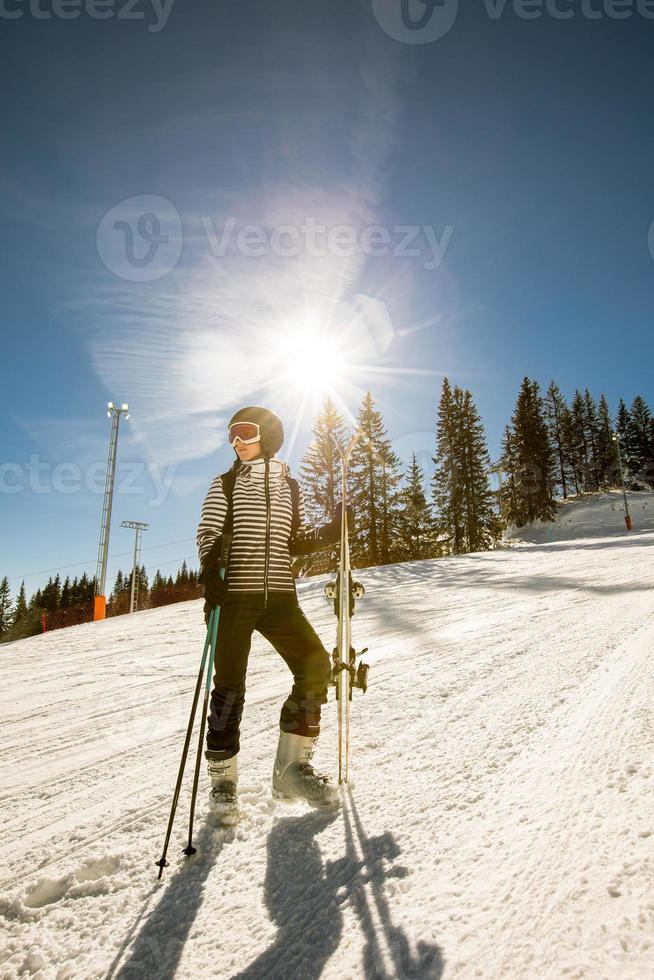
[{"x": 245, "y": 432}]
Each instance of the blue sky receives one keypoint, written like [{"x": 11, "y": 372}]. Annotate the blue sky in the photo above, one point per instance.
[{"x": 516, "y": 154}]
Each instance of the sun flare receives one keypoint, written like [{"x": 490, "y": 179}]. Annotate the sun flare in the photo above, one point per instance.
[{"x": 312, "y": 362}]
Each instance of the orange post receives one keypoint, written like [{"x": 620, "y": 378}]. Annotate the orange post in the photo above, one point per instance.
[
  {"x": 629, "y": 523},
  {"x": 99, "y": 607}
]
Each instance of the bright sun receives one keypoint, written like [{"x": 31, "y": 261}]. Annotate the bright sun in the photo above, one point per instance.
[{"x": 312, "y": 362}]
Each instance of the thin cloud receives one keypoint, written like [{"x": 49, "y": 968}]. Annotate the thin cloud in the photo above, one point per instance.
[{"x": 185, "y": 350}]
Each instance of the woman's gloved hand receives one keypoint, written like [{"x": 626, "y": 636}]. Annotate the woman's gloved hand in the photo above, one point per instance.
[
  {"x": 315, "y": 539},
  {"x": 215, "y": 590},
  {"x": 330, "y": 533}
]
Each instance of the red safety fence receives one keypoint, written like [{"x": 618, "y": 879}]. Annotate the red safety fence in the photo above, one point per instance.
[
  {"x": 58, "y": 619},
  {"x": 119, "y": 605},
  {"x": 174, "y": 593}
]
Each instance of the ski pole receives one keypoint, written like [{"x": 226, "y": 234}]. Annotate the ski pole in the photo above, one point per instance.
[
  {"x": 162, "y": 863},
  {"x": 213, "y": 629}
]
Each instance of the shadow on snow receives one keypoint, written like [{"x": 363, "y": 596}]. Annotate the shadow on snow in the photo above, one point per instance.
[
  {"x": 309, "y": 902},
  {"x": 305, "y": 900}
]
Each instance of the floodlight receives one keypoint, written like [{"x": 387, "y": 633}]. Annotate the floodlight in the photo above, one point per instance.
[{"x": 114, "y": 413}]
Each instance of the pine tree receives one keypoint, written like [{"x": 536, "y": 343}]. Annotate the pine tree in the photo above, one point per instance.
[
  {"x": 5, "y": 609},
  {"x": 25, "y": 619},
  {"x": 51, "y": 594},
  {"x": 182, "y": 575},
  {"x": 118, "y": 602},
  {"x": 320, "y": 475},
  {"x": 480, "y": 521},
  {"x": 625, "y": 430},
  {"x": 320, "y": 468},
  {"x": 120, "y": 584},
  {"x": 642, "y": 437},
  {"x": 86, "y": 589},
  {"x": 20, "y": 617},
  {"x": 572, "y": 453},
  {"x": 20, "y": 609},
  {"x": 508, "y": 495},
  {"x": 607, "y": 460},
  {"x": 390, "y": 540},
  {"x": 592, "y": 423},
  {"x": 461, "y": 486},
  {"x": 64, "y": 601},
  {"x": 447, "y": 484},
  {"x": 532, "y": 461},
  {"x": 141, "y": 598},
  {"x": 375, "y": 474},
  {"x": 555, "y": 411},
  {"x": 35, "y": 609},
  {"x": 579, "y": 441},
  {"x": 416, "y": 521}
]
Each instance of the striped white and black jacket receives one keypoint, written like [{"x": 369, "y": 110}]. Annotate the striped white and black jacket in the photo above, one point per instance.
[{"x": 262, "y": 543}]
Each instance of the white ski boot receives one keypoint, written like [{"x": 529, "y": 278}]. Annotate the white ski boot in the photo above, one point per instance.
[
  {"x": 294, "y": 778},
  {"x": 222, "y": 797}
]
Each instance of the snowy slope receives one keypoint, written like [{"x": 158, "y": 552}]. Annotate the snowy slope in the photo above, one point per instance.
[
  {"x": 590, "y": 515},
  {"x": 501, "y": 822}
]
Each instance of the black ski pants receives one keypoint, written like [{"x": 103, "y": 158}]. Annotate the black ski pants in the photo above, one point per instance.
[{"x": 286, "y": 627}]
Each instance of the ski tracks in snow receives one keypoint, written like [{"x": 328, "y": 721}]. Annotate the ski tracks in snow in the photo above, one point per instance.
[
  {"x": 536, "y": 816},
  {"x": 500, "y": 824}
]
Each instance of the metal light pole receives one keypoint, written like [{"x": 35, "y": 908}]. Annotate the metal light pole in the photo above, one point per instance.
[
  {"x": 627, "y": 515},
  {"x": 138, "y": 526},
  {"x": 100, "y": 604}
]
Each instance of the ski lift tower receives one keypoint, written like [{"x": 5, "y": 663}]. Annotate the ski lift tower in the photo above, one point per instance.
[
  {"x": 138, "y": 526},
  {"x": 100, "y": 603}
]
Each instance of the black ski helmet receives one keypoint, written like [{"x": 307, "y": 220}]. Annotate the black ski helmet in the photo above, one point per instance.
[{"x": 270, "y": 426}]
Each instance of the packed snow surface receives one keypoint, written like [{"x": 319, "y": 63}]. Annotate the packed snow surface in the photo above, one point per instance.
[
  {"x": 499, "y": 823},
  {"x": 589, "y": 515}
]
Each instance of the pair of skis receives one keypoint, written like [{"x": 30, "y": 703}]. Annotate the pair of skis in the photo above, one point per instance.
[{"x": 346, "y": 674}]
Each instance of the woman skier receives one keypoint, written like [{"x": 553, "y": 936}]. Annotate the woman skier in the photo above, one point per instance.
[{"x": 252, "y": 522}]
